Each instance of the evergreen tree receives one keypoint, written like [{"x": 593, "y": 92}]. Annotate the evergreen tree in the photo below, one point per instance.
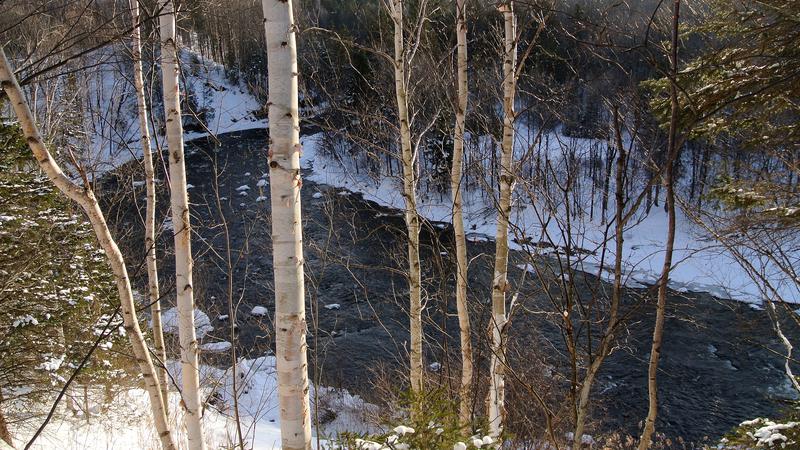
[
  {"x": 743, "y": 92},
  {"x": 57, "y": 294}
]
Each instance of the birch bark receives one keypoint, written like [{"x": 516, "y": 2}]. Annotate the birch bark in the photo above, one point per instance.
[
  {"x": 179, "y": 203},
  {"x": 84, "y": 196},
  {"x": 465, "y": 388},
  {"x": 150, "y": 207},
  {"x": 287, "y": 231},
  {"x": 496, "y": 406},
  {"x": 410, "y": 197}
]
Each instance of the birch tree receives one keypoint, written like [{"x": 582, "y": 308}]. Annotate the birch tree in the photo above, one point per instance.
[
  {"x": 150, "y": 207},
  {"x": 625, "y": 209},
  {"x": 395, "y": 8},
  {"x": 287, "y": 231},
  {"x": 84, "y": 196},
  {"x": 496, "y": 412},
  {"x": 673, "y": 149},
  {"x": 179, "y": 200},
  {"x": 465, "y": 389}
]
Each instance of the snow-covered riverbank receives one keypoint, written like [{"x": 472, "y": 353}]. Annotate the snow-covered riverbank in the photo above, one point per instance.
[{"x": 700, "y": 263}]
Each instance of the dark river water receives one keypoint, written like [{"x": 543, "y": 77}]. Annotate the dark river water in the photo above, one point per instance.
[{"x": 720, "y": 363}]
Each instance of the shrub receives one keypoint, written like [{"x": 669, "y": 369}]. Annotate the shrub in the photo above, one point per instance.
[
  {"x": 762, "y": 433},
  {"x": 426, "y": 421}
]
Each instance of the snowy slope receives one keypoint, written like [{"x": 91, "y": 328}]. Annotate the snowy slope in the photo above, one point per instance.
[
  {"x": 233, "y": 106},
  {"x": 701, "y": 264},
  {"x": 112, "y": 133},
  {"x": 125, "y": 422}
]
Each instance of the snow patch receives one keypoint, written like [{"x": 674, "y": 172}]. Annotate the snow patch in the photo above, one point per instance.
[
  {"x": 216, "y": 347},
  {"x": 170, "y": 320},
  {"x": 258, "y": 311},
  {"x": 702, "y": 265},
  {"x": 23, "y": 321}
]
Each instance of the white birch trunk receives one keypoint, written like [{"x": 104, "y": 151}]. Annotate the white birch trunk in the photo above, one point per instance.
[
  {"x": 410, "y": 196},
  {"x": 496, "y": 404},
  {"x": 287, "y": 231},
  {"x": 150, "y": 208},
  {"x": 179, "y": 201},
  {"x": 465, "y": 388},
  {"x": 84, "y": 196}
]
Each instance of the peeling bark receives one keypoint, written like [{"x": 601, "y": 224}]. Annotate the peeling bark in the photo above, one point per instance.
[
  {"x": 287, "y": 226},
  {"x": 84, "y": 196},
  {"x": 179, "y": 202},
  {"x": 496, "y": 406},
  {"x": 150, "y": 208},
  {"x": 465, "y": 388},
  {"x": 410, "y": 196}
]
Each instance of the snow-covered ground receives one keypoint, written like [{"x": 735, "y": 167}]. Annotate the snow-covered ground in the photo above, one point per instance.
[
  {"x": 123, "y": 422},
  {"x": 112, "y": 132},
  {"x": 233, "y": 105},
  {"x": 700, "y": 264}
]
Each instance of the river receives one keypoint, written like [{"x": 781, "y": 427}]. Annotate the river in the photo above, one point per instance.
[{"x": 720, "y": 363}]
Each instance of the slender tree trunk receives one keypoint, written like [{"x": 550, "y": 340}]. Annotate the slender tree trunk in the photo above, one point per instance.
[
  {"x": 5, "y": 435},
  {"x": 616, "y": 293},
  {"x": 609, "y": 166},
  {"x": 84, "y": 196},
  {"x": 496, "y": 407},
  {"x": 231, "y": 311},
  {"x": 179, "y": 200},
  {"x": 465, "y": 389},
  {"x": 704, "y": 174},
  {"x": 410, "y": 195},
  {"x": 657, "y": 195},
  {"x": 695, "y": 169},
  {"x": 287, "y": 231},
  {"x": 150, "y": 209},
  {"x": 673, "y": 149}
]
